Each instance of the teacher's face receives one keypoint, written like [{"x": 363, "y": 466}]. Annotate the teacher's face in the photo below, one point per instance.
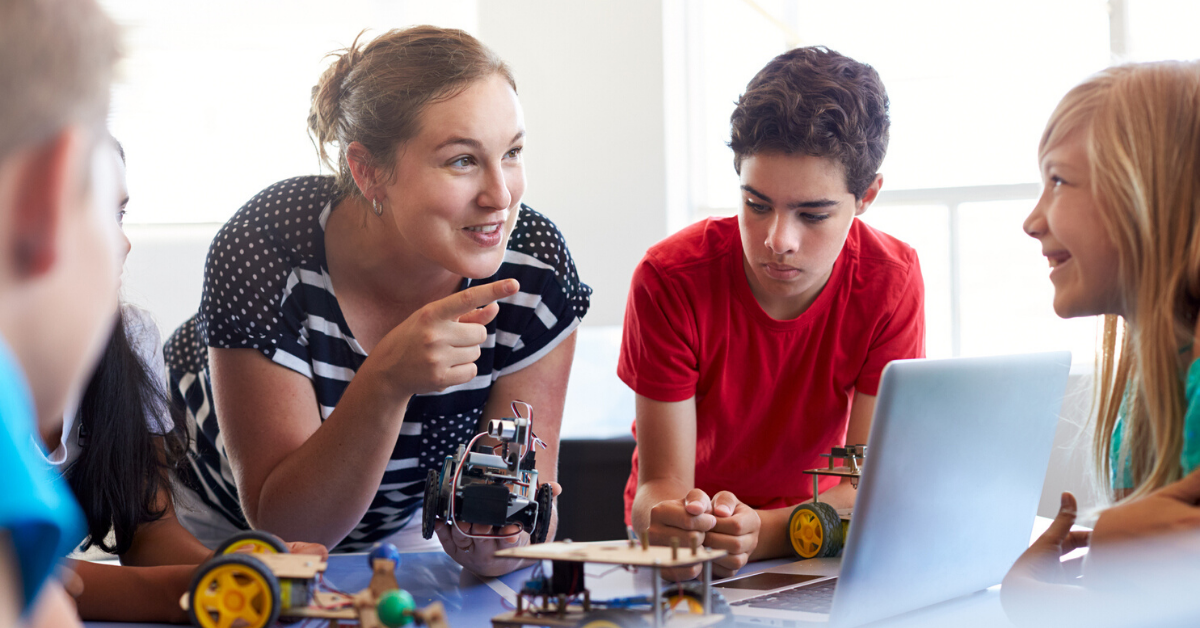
[{"x": 458, "y": 184}]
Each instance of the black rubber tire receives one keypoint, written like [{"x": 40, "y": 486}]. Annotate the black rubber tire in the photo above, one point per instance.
[
  {"x": 612, "y": 617},
  {"x": 270, "y": 540},
  {"x": 429, "y": 508},
  {"x": 247, "y": 561},
  {"x": 831, "y": 528},
  {"x": 695, "y": 590},
  {"x": 545, "y": 504}
]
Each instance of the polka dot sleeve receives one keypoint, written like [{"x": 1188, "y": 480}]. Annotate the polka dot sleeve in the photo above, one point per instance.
[
  {"x": 552, "y": 301},
  {"x": 251, "y": 258}
]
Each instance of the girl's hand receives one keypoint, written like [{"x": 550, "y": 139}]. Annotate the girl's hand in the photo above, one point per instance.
[
  {"x": 1041, "y": 562},
  {"x": 437, "y": 346},
  {"x": 479, "y": 555},
  {"x": 1136, "y": 541},
  {"x": 1033, "y": 581}
]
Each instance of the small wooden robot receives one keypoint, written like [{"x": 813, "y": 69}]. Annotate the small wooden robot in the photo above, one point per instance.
[
  {"x": 252, "y": 581},
  {"x": 816, "y": 529}
]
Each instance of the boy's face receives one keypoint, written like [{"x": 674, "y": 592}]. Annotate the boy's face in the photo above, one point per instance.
[
  {"x": 796, "y": 213},
  {"x": 75, "y": 297}
]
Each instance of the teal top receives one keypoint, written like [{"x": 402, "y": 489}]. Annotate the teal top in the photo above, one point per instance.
[
  {"x": 1189, "y": 455},
  {"x": 36, "y": 506}
]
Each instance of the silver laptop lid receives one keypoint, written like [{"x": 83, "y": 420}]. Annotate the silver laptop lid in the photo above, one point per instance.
[{"x": 958, "y": 453}]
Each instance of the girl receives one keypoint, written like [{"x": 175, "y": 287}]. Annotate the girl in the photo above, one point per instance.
[
  {"x": 355, "y": 329},
  {"x": 116, "y": 451},
  {"x": 1118, "y": 223}
]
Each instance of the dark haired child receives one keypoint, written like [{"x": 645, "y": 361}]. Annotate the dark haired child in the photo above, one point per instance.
[
  {"x": 116, "y": 450},
  {"x": 756, "y": 342}
]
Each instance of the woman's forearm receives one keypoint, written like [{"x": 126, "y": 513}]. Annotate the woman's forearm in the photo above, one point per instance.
[
  {"x": 133, "y": 594},
  {"x": 320, "y": 491}
]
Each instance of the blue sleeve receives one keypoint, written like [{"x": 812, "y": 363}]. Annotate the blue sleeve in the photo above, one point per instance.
[
  {"x": 36, "y": 507},
  {"x": 1190, "y": 455}
]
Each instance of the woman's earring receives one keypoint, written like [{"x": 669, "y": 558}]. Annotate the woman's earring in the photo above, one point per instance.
[{"x": 377, "y": 206}]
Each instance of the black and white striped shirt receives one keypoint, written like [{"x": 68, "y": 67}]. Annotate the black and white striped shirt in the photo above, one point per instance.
[{"x": 267, "y": 287}]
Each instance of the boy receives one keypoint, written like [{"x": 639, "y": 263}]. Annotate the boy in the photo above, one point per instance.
[
  {"x": 755, "y": 343},
  {"x": 59, "y": 273}
]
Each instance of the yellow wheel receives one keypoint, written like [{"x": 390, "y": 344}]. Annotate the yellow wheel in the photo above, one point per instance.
[
  {"x": 252, "y": 542},
  {"x": 684, "y": 603},
  {"x": 687, "y": 598},
  {"x": 612, "y": 618},
  {"x": 234, "y": 591},
  {"x": 815, "y": 531}
]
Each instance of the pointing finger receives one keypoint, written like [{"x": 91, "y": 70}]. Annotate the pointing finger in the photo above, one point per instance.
[
  {"x": 466, "y": 301},
  {"x": 481, "y": 316}
]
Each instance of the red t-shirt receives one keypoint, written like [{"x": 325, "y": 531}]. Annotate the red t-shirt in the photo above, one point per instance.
[{"x": 771, "y": 395}]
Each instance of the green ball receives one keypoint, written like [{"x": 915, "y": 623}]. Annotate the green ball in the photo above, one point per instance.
[{"x": 395, "y": 608}]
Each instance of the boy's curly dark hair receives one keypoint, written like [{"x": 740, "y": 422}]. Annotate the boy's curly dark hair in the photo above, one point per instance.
[{"x": 815, "y": 101}]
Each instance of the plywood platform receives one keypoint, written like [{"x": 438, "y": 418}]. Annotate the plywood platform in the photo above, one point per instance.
[
  {"x": 292, "y": 565},
  {"x": 614, "y": 554},
  {"x": 570, "y": 620}
]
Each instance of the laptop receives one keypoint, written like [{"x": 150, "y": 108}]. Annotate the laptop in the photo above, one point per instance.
[{"x": 950, "y": 487}]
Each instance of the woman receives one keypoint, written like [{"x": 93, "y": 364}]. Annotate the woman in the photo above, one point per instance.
[
  {"x": 355, "y": 329},
  {"x": 1118, "y": 221}
]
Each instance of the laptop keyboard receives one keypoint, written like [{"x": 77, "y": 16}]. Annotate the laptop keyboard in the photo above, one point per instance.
[{"x": 817, "y": 598}]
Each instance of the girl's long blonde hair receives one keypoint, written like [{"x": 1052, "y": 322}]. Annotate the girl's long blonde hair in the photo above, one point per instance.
[{"x": 1141, "y": 128}]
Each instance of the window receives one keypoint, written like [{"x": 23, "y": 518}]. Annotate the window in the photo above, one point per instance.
[{"x": 211, "y": 104}]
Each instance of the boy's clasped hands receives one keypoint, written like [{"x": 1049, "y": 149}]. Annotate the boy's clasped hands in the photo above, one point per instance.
[{"x": 720, "y": 522}]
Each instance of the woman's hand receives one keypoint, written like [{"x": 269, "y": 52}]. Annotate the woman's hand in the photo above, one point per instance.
[
  {"x": 479, "y": 555},
  {"x": 1037, "y": 579},
  {"x": 437, "y": 346},
  {"x": 315, "y": 549}
]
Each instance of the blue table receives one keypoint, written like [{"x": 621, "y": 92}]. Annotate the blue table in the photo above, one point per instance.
[{"x": 472, "y": 601}]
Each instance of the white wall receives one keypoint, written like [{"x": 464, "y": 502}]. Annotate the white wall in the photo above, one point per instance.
[
  {"x": 165, "y": 270},
  {"x": 590, "y": 77}
]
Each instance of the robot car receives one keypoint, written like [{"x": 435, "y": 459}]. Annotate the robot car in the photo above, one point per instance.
[
  {"x": 816, "y": 529},
  {"x": 562, "y": 598},
  {"x": 252, "y": 581},
  {"x": 492, "y": 484}
]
